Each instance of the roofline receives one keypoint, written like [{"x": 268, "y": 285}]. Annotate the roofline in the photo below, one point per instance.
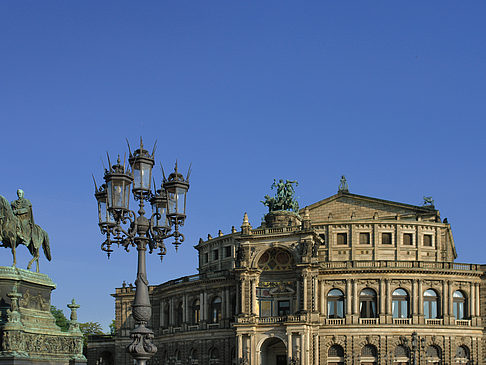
[{"x": 363, "y": 197}]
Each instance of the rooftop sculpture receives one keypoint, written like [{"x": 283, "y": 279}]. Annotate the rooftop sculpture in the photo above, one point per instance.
[
  {"x": 17, "y": 227},
  {"x": 284, "y": 198}
]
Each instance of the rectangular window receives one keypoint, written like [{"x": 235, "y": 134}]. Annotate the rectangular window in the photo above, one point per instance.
[
  {"x": 342, "y": 238},
  {"x": 408, "y": 239},
  {"x": 216, "y": 254},
  {"x": 206, "y": 258},
  {"x": 227, "y": 251},
  {"x": 428, "y": 240},
  {"x": 386, "y": 238},
  {"x": 364, "y": 238},
  {"x": 283, "y": 307}
]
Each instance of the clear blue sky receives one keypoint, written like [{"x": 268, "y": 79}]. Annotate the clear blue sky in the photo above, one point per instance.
[{"x": 391, "y": 94}]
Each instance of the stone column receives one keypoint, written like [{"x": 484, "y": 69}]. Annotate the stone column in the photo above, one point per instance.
[
  {"x": 223, "y": 303},
  {"x": 253, "y": 297},
  {"x": 171, "y": 312},
  {"x": 382, "y": 302},
  {"x": 414, "y": 301},
  {"x": 450, "y": 311},
  {"x": 314, "y": 297},
  {"x": 298, "y": 295},
  {"x": 201, "y": 306},
  {"x": 471, "y": 301},
  {"x": 228, "y": 302},
  {"x": 323, "y": 299},
  {"x": 420, "y": 302},
  {"x": 184, "y": 309},
  {"x": 237, "y": 298},
  {"x": 349, "y": 299},
  {"x": 239, "y": 347},
  {"x": 304, "y": 305},
  {"x": 289, "y": 345},
  {"x": 252, "y": 351},
  {"x": 478, "y": 308},
  {"x": 162, "y": 314},
  {"x": 355, "y": 301},
  {"x": 388, "y": 301}
]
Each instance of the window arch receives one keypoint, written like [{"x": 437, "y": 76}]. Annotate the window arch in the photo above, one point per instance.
[
  {"x": 194, "y": 356},
  {"x": 462, "y": 355},
  {"x": 367, "y": 303},
  {"x": 335, "y": 304},
  {"x": 431, "y": 304},
  {"x": 214, "y": 356},
  {"x": 433, "y": 355},
  {"x": 459, "y": 304},
  {"x": 196, "y": 311},
  {"x": 368, "y": 354},
  {"x": 215, "y": 310},
  {"x": 400, "y": 303},
  {"x": 178, "y": 357},
  {"x": 335, "y": 355},
  {"x": 276, "y": 259},
  {"x": 402, "y": 355}
]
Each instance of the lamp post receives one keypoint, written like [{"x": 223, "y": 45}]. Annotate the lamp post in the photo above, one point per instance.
[{"x": 128, "y": 229}]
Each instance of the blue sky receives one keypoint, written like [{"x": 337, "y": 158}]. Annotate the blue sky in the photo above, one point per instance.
[{"x": 391, "y": 94}]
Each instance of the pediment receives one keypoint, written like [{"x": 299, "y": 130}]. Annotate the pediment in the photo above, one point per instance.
[{"x": 347, "y": 206}]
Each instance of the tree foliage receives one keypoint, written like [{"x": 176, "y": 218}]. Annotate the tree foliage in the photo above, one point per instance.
[
  {"x": 61, "y": 320},
  {"x": 91, "y": 328}
]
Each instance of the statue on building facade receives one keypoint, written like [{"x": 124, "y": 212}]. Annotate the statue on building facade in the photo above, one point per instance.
[
  {"x": 284, "y": 198},
  {"x": 17, "y": 227}
]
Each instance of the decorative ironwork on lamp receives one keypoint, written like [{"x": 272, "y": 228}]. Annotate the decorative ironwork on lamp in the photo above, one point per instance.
[{"x": 129, "y": 229}]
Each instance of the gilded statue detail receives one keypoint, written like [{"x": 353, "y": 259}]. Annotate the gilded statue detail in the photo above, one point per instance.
[{"x": 17, "y": 227}]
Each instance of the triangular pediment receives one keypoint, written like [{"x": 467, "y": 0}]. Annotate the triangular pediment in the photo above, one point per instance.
[{"x": 347, "y": 206}]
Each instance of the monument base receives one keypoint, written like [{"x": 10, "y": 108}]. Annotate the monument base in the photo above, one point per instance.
[{"x": 28, "y": 332}]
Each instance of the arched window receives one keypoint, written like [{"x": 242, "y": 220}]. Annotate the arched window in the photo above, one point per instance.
[
  {"x": 335, "y": 355},
  {"x": 400, "y": 304},
  {"x": 178, "y": 357},
  {"x": 335, "y": 304},
  {"x": 431, "y": 304},
  {"x": 401, "y": 355},
  {"x": 196, "y": 311},
  {"x": 462, "y": 355},
  {"x": 368, "y": 355},
  {"x": 179, "y": 311},
  {"x": 459, "y": 307},
  {"x": 216, "y": 310},
  {"x": 194, "y": 356},
  {"x": 432, "y": 355},
  {"x": 367, "y": 303},
  {"x": 214, "y": 356}
]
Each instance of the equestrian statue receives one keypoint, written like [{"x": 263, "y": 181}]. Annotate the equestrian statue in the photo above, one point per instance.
[
  {"x": 17, "y": 227},
  {"x": 284, "y": 198}
]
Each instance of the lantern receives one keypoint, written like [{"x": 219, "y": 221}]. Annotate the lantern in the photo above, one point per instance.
[
  {"x": 118, "y": 181},
  {"x": 141, "y": 162},
  {"x": 159, "y": 211},
  {"x": 104, "y": 217},
  {"x": 176, "y": 188}
]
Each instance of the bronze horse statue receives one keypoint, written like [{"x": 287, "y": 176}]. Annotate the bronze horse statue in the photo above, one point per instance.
[{"x": 13, "y": 233}]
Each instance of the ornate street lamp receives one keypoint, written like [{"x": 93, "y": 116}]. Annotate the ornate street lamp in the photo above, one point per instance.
[{"x": 129, "y": 229}]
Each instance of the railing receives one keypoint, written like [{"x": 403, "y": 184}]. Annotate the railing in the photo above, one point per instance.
[
  {"x": 368, "y": 321},
  {"x": 400, "y": 265},
  {"x": 264, "y": 231},
  {"x": 193, "y": 328},
  {"x": 213, "y": 325},
  {"x": 402, "y": 320},
  {"x": 434, "y": 321},
  {"x": 177, "y": 329},
  {"x": 463, "y": 322},
  {"x": 272, "y": 320},
  {"x": 335, "y": 321}
]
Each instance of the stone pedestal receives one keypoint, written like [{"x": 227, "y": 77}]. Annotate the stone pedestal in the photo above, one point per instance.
[
  {"x": 28, "y": 333},
  {"x": 282, "y": 218}
]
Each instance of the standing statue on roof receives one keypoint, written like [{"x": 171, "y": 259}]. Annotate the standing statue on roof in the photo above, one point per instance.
[
  {"x": 284, "y": 198},
  {"x": 343, "y": 185}
]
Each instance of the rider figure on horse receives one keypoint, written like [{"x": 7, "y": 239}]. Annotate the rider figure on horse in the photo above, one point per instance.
[{"x": 22, "y": 208}]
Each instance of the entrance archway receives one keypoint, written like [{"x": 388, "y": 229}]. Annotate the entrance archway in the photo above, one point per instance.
[{"x": 273, "y": 352}]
